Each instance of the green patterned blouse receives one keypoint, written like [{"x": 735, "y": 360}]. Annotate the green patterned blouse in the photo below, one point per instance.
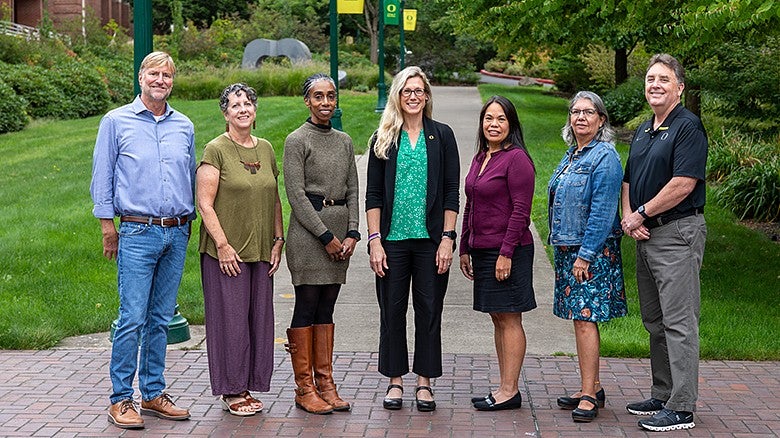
[{"x": 411, "y": 184}]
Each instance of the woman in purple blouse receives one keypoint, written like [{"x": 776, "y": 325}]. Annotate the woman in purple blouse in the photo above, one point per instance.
[{"x": 496, "y": 247}]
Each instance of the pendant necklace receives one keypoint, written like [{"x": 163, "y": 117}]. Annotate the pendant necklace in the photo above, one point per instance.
[{"x": 251, "y": 166}]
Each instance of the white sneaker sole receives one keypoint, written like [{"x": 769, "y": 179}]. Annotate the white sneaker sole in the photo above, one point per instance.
[
  {"x": 631, "y": 411},
  {"x": 681, "y": 426}
]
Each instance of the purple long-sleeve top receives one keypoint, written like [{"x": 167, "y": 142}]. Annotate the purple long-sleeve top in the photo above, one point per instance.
[{"x": 498, "y": 202}]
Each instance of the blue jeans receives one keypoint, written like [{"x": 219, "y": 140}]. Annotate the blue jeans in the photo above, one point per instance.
[{"x": 150, "y": 263}]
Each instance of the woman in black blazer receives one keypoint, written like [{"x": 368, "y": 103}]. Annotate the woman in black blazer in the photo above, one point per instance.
[{"x": 411, "y": 209}]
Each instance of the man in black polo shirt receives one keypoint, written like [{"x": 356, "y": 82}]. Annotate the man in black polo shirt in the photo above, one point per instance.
[{"x": 663, "y": 201}]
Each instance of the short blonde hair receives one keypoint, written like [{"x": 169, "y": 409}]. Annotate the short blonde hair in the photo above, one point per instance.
[{"x": 157, "y": 59}]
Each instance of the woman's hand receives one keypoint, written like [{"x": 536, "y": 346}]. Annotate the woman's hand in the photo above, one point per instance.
[
  {"x": 347, "y": 248},
  {"x": 503, "y": 268},
  {"x": 580, "y": 270},
  {"x": 465, "y": 267},
  {"x": 228, "y": 260},
  {"x": 377, "y": 257},
  {"x": 276, "y": 257},
  {"x": 444, "y": 255},
  {"x": 334, "y": 249}
]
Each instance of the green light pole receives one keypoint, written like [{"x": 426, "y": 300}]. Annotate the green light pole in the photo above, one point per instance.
[
  {"x": 381, "y": 87},
  {"x": 401, "y": 31},
  {"x": 142, "y": 36},
  {"x": 335, "y": 121},
  {"x": 178, "y": 328}
]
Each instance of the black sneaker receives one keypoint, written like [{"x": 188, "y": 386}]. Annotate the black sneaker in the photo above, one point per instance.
[
  {"x": 667, "y": 420},
  {"x": 650, "y": 406}
]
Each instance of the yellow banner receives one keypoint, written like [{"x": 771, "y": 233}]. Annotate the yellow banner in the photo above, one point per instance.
[
  {"x": 349, "y": 6},
  {"x": 410, "y": 19}
]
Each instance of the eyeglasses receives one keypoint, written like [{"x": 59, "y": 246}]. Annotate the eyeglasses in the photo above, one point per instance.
[
  {"x": 588, "y": 112},
  {"x": 406, "y": 92}
]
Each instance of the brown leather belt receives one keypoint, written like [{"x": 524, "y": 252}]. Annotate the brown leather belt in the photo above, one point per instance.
[{"x": 161, "y": 221}]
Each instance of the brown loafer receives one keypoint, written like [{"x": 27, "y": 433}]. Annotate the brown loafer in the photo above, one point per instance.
[
  {"x": 164, "y": 407},
  {"x": 124, "y": 416}
]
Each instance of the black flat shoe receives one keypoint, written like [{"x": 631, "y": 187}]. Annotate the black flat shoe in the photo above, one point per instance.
[
  {"x": 489, "y": 403},
  {"x": 479, "y": 399},
  {"x": 393, "y": 404},
  {"x": 572, "y": 402},
  {"x": 424, "y": 405},
  {"x": 586, "y": 415}
]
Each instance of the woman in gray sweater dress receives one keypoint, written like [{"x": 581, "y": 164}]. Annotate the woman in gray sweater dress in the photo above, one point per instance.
[{"x": 322, "y": 188}]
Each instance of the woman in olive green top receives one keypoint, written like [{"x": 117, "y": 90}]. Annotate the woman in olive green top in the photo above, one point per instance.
[
  {"x": 241, "y": 247},
  {"x": 412, "y": 205}
]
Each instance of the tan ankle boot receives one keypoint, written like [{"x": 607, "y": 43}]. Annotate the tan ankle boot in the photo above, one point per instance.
[
  {"x": 300, "y": 348},
  {"x": 323, "y": 366}
]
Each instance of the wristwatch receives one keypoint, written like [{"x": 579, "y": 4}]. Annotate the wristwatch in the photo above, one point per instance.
[
  {"x": 641, "y": 210},
  {"x": 449, "y": 234}
]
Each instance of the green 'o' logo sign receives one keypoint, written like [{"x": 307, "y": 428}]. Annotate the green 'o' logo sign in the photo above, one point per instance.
[{"x": 391, "y": 8}]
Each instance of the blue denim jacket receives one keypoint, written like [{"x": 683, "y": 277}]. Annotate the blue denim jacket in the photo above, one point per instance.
[{"x": 585, "y": 209}]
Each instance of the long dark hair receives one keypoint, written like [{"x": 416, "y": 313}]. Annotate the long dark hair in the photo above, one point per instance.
[{"x": 515, "y": 137}]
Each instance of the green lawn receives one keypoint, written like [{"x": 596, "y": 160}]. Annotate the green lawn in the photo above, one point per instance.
[
  {"x": 740, "y": 274},
  {"x": 55, "y": 283}
]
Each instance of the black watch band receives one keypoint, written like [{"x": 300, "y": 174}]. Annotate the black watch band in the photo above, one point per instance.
[
  {"x": 641, "y": 210},
  {"x": 450, "y": 234}
]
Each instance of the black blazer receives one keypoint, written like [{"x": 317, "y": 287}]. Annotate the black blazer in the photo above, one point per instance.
[{"x": 443, "y": 179}]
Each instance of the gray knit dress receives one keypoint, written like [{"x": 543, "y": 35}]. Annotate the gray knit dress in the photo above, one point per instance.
[{"x": 318, "y": 161}]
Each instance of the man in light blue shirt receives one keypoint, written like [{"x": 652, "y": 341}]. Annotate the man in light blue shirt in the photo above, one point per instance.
[{"x": 143, "y": 172}]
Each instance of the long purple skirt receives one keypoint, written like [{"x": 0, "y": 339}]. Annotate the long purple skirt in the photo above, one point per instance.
[{"x": 239, "y": 326}]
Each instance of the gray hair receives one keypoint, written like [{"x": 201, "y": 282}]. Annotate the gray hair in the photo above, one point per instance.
[
  {"x": 669, "y": 61},
  {"x": 311, "y": 80},
  {"x": 237, "y": 88},
  {"x": 605, "y": 132}
]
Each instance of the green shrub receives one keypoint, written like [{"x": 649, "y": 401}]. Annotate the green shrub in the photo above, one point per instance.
[
  {"x": 748, "y": 171},
  {"x": 35, "y": 85},
  {"x": 81, "y": 83},
  {"x": 13, "y": 116},
  {"x": 569, "y": 74},
  {"x": 118, "y": 75},
  {"x": 626, "y": 101},
  {"x": 600, "y": 65},
  {"x": 496, "y": 65},
  {"x": 753, "y": 192}
]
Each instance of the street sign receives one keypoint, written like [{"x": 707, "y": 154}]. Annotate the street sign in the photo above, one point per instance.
[
  {"x": 410, "y": 19},
  {"x": 392, "y": 10},
  {"x": 350, "y": 6}
]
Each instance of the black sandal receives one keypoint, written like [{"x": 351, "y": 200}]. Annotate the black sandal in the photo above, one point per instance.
[
  {"x": 586, "y": 415},
  {"x": 424, "y": 405},
  {"x": 393, "y": 404}
]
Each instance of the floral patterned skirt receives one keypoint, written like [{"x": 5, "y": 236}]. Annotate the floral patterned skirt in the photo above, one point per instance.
[{"x": 598, "y": 299}]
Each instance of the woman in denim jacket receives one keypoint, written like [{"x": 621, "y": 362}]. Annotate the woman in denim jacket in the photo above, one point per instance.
[{"x": 585, "y": 232}]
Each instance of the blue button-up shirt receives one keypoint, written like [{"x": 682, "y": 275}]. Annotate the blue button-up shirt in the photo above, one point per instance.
[{"x": 144, "y": 165}]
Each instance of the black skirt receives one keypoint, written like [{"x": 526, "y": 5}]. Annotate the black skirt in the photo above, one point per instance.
[{"x": 515, "y": 294}]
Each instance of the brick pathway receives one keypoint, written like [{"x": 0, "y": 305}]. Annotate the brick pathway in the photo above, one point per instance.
[{"x": 64, "y": 393}]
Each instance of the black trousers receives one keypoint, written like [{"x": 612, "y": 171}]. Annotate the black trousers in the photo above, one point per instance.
[{"x": 411, "y": 261}]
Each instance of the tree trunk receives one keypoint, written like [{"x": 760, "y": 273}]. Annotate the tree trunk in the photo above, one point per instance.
[
  {"x": 372, "y": 25},
  {"x": 621, "y": 66},
  {"x": 693, "y": 99}
]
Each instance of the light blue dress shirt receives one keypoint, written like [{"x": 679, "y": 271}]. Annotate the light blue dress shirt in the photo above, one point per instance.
[{"x": 144, "y": 165}]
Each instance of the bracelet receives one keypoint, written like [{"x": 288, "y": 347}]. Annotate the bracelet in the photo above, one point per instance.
[
  {"x": 373, "y": 236},
  {"x": 278, "y": 239}
]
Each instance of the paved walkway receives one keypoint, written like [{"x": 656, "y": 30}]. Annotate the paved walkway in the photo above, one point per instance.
[{"x": 63, "y": 391}]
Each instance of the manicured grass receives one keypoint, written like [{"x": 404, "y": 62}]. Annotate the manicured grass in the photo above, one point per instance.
[
  {"x": 54, "y": 281},
  {"x": 739, "y": 274}
]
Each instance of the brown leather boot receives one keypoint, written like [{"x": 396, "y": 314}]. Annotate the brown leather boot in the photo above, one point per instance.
[
  {"x": 323, "y": 366},
  {"x": 299, "y": 346}
]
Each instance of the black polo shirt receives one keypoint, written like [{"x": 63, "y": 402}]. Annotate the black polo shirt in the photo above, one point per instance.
[{"x": 677, "y": 148}]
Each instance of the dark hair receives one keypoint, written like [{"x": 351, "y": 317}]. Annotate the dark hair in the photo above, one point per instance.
[
  {"x": 515, "y": 136},
  {"x": 671, "y": 62},
  {"x": 237, "y": 88},
  {"x": 311, "y": 80}
]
